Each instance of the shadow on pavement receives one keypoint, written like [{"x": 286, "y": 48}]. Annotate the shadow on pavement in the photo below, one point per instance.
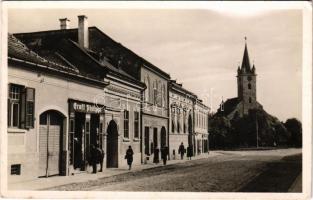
[{"x": 278, "y": 176}]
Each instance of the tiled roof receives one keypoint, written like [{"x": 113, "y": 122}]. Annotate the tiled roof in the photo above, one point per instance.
[
  {"x": 18, "y": 50},
  {"x": 47, "y": 43},
  {"x": 228, "y": 106}
]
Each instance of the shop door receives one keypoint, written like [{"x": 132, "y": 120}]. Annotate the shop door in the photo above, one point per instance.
[
  {"x": 78, "y": 145},
  {"x": 50, "y": 143},
  {"x": 147, "y": 152},
  {"x": 112, "y": 145},
  {"x": 94, "y": 129}
]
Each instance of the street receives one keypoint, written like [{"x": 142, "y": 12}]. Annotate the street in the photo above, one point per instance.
[{"x": 230, "y": 171}]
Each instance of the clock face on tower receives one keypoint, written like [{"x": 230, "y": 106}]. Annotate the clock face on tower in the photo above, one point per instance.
[{"x": 249, "y": 78}]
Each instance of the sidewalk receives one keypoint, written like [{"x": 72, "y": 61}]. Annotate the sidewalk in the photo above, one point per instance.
[
  {"x": 297, "y": 184},
  {"x": 42, "y": 183}
]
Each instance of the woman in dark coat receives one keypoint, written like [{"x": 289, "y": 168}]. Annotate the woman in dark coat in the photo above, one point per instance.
[
  {"x": 93, "y": 158},
  {"x": 164, "y": 153},
  {"x": 156, "y": 156},
  {"x": 129, "y": 157},
  {"x": 189, "y": 152}
]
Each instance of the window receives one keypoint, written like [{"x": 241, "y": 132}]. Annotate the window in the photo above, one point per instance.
[
  {"x": 178, "y": 120},
  {"x": 126, "y": 124},
  {"x": 136, "y": 124},
  {"x": 184, "y": 118},
  {"x": 173, "y": 126},
  {"x": 250, "y": 100},
  {"x": 14, "y": 105},
  {"x": 21, "y": 106},
  {"x": 16, "y": 169},
  {"x": 249, "y": 86},
  {"x": 147, "y": 91}
]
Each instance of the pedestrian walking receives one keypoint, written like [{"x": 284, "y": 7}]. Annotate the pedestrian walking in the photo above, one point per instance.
[
  {"x": 181, "y": 150},
  {"x": 156, "y": 158},
  {"x": 100, "y": 157},
  {"x": 129, "y": 157},
  {"x": 189, "y": 152},
  {"x": 164, "y": 153},
  {"x": 93, "y": 158}
]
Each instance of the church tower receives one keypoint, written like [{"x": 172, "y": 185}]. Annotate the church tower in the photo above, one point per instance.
[{"x": 246, "y": 83}]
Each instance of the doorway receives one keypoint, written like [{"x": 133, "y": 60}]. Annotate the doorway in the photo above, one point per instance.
[
  {"x": 78, "y": 139},
  {"x": 147, "y": 138},
  {"x": 163, "y": 137},
  {"x": 94, "y": 129},
  {"x": 50, "y": 143},
  {"x": 112, "y": 145}
]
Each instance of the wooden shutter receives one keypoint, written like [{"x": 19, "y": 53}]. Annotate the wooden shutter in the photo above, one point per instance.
[
  {"x": 22, "y": 109},
  {"x": 30, "y": 107}
]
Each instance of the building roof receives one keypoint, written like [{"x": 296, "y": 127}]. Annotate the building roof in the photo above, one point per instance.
[
  {"x": 228, "y": 106},
  {"x": 179, "y": 88},
  {"x": 18, "y": 50},
  {"x": 245, "y": 60},
  {"x": 113, "y": 55}
]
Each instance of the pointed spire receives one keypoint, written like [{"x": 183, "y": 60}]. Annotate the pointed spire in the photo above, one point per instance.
[{"x": 245, "y": 60}]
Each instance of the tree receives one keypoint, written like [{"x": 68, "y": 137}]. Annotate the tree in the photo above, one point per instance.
[{"x": 294, "y": 126}]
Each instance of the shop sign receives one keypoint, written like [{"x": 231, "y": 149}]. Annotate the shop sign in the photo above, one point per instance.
[{"x": 88, "y": 108}]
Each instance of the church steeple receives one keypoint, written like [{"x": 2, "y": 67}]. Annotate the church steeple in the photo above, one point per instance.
[
  {"x": 245, "y": 65},
  {"x": 246, "y": 80}
]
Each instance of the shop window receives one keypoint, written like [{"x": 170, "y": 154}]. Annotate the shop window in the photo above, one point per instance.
[
  {"x": 21, "y": 106},
  {"x": 136, "y": 124},
  {"x": 87, "y": 127},
  {"x": 16, "y": 169},
  {"x": 71, "y": 125},
  {"x": 126, "y": 124}
]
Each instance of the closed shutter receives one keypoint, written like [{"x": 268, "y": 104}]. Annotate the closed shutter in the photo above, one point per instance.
[{"x": 30, "y": 107}]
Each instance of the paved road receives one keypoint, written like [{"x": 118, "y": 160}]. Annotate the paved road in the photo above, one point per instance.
[{"x": 229, "y": 172}]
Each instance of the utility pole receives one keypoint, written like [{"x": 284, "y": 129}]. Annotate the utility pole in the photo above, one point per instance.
[{"x": 257, "y": 130}]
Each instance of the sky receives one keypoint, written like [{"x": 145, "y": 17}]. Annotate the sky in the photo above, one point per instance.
[{"x": 201, "y": 48}]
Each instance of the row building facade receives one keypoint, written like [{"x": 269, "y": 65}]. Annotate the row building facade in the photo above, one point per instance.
[{"x": 70, "y": 89}]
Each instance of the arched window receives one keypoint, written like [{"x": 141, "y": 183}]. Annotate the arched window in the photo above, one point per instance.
[
  {"x": 173, "y": 119},
  {"x": 163, "y": 96},
  {"x": 249, "y": 86},
  {"x": 178, "y": 120},
  {"x": 147, "y": 91},
  {"x": 184, "y": 120}
]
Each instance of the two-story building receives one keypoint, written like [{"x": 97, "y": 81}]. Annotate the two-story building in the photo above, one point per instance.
[
  {"x": 63, "y": 98},
  {"x": 181, "y": 117},
  {"x": 201, "y": 114}
]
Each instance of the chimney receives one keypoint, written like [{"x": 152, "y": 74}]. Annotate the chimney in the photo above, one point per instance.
[
  {"x": 64, "y": 23},
  {"x": 83, "y": 32}
]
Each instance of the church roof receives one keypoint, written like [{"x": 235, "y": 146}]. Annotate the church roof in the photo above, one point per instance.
[
  {"x": 245, "y": 60},
  {"x": 228, "y": 106}
]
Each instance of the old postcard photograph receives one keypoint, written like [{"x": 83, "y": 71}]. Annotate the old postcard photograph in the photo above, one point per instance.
[{"x": 156, "y": 100}]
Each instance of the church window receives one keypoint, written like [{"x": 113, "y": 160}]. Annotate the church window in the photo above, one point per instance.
[
  {"x": 249, "y": 78},
  {"x": 249, "y": 86}
]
